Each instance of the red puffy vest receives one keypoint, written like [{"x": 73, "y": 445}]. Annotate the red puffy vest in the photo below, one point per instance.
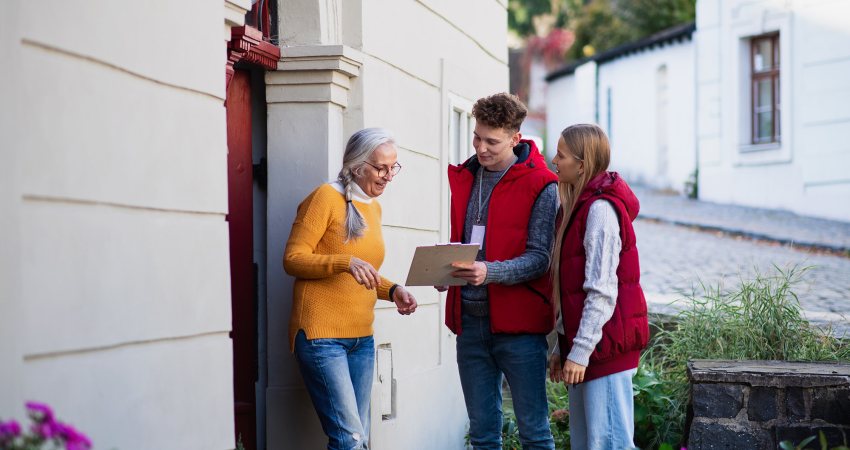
[
  {"x": 627, "y": 332},
  {"x": 524, "y": 307}
]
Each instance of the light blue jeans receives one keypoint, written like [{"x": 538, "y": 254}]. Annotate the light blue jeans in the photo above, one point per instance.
[
  {"x": 602, "y": 413},
  {"x": 338, "y": 376},
  {"x": 482, "y": 358}
]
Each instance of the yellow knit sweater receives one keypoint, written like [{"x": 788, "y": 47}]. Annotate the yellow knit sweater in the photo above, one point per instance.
[{"x": 327, "y": 301}]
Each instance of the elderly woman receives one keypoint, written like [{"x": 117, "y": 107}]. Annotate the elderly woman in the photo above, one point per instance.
[{"x": 334, "y": 250}]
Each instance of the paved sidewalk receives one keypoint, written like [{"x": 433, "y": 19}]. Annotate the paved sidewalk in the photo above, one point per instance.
[{"x": 772, "y": 225}]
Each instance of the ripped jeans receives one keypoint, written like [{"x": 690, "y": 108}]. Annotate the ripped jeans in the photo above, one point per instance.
[{"x": 338, "y": 376}]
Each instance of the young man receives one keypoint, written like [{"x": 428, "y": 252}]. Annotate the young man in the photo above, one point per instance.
[{"x": 504, "y": 198}]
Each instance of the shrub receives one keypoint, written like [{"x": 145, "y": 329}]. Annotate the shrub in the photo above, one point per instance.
[
  {"x": 45, "y": 432},
  {"x": 760, "y": 319}
]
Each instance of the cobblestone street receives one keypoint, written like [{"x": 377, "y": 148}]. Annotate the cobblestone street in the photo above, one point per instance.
[
  {"x": 684, "y": 243},
  {"x": 675, "y": 259}
]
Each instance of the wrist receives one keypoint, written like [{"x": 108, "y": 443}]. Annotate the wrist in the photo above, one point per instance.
[{"x": 392, "y": 291}]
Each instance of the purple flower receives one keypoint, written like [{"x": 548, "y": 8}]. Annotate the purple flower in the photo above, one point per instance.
[
  {"x": 74, "y": 440},
  {"x": 40, "y": 412},
  {"x": 45, "y": 430},
  {"x": 9, "y": 430}
]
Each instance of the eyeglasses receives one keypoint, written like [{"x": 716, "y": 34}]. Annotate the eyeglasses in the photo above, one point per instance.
[{"x": 384, "y": 170}]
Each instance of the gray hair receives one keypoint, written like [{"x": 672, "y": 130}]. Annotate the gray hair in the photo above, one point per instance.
[{"x": 359, "y": 149}]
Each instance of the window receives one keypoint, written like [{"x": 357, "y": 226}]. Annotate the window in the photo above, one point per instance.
[
  {"x": 764, "y": 70},
  {"x": 461, "y": 126}
]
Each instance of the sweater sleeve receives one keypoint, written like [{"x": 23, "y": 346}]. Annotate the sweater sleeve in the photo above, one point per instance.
[
  {"x": 384, "y": 289},
  {"x": 602, "y": 246},
  {"x": 534, "y": 262},
  {"x": 311, "y": 222}
]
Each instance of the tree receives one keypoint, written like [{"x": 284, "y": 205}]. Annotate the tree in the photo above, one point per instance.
[
  {"x": 522, "y": 15},
  {"x": 603, "y": 24}
]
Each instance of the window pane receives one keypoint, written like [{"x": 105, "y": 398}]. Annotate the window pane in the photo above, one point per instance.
[
  {"x": 763, "y": 55},
  {"x": 455, "y": 138},
  {"x": 765, "y": 126},
  {"x": 764, "y": 93}
]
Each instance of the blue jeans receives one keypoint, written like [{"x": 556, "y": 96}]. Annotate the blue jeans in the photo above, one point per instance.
[
  {"x": 602, "y": 413},
  {"x": 482, "y": 359},
  {"x": 338, "y": 376}
]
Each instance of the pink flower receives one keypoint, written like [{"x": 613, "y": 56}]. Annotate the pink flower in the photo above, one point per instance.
[
  {"x": 74, "y": 440},
  {"x": 40, "y": 412},
  {"x": 9, "y": 430}
]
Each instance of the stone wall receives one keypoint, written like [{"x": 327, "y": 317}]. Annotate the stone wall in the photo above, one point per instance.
[{"x": 758, "y": 404}]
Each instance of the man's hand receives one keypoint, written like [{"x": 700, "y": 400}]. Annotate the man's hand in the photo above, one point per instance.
[
  {"x": 474, "y": 273},
  {"x": 555, "y": 373},
  {"x": 404, "y": 301},
  {"x": 573, "y": 372},
  {"x": 364, "y": 273}
]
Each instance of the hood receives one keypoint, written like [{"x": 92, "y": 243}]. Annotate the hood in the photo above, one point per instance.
[
  {"x": 612, "y": 184},
  {"x": 528, "y": 159}
]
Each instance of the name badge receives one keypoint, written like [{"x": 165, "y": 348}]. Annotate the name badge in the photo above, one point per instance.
[{"x": 477, "y": 235}]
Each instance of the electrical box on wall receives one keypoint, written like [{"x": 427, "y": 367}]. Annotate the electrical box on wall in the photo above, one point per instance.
[{"x": 386, "y": 381}]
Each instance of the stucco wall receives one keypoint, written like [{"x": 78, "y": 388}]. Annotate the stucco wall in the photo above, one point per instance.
[
  {"x": 116, "y": 300},
  {"x": 622, "y": 96},
  {"x": 807, "y": 172}
]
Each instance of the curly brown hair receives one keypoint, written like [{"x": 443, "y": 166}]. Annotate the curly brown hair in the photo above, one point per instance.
[{"x": 500, "y": 110}]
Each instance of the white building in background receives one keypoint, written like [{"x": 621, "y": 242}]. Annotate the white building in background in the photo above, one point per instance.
[
  {"x": 758, "y": 102},
  {"x": 773, "y": 104},
  {"x": 642, "y": 95},
  {"x": 117, "y": 248}
]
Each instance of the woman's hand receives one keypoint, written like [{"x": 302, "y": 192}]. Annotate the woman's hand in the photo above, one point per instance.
[
  {"x": 555, "y": 373},
  {"x": 474, "y": 273},
  {"x": 404, "y": 301},
  {"x": 364, "y": 273},
  {"x": 573, "y": 372}
]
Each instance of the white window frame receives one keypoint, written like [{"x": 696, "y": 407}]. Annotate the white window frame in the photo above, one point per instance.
[{"x": 463, "y": 129}]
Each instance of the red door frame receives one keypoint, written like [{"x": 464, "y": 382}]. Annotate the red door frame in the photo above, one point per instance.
[{"x": 246, "y": 47}]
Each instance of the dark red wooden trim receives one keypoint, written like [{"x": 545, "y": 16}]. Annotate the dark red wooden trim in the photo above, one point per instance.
[{"x": 247, "y": 45}]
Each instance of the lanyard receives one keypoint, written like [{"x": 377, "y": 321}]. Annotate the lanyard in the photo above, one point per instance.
[{"x": 481, "y": 182}]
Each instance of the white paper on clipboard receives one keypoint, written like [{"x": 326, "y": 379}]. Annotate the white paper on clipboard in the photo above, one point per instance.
[{"x": 432, "y": 265}]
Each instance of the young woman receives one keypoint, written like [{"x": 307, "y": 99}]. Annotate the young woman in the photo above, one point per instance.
[
  {"x": 334, "y": 252},
  {"x": 603, "y": 324}
]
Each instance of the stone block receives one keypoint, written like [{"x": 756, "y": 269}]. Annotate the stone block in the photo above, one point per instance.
[
  {"x": 712, "y": 400},
  {"x": 762, "y": 405},
  {"x": 831, "y": 405},
  {"x": 710, "y": 436},
  {"x": 795, "y": 404}
]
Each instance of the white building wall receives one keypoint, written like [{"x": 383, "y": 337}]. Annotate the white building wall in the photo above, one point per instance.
[
  {"x": 650, "y": 107},
  {"x": 560, "y": 110},
  {"x": 807, "y": 172},
  {"x": 622, "y": 96},
  {"x": 115, "y": 271},
  {"x": 419, "y": 60}
]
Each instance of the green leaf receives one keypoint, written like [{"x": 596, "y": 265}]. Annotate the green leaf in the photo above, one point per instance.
[
  {"x": 806, "y": 441},
  {"x": 786, "y": 445},
  {"x": 823, "y": 443},
  {"x": 665, "y": 446}
]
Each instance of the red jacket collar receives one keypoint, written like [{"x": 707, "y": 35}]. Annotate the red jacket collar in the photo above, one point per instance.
[
  {"x": 612, "y": 185},
  {"x": 529, "y": 159}
]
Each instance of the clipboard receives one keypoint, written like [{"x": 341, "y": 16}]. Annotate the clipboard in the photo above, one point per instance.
[{"x": 432, "y": 265}]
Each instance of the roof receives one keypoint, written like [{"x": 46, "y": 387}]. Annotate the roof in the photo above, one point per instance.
[{"x": 672, "y": 34}]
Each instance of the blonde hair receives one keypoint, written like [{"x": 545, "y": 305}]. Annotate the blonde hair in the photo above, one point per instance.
[
  {"x": 589, "y": 144},
  {"x": 359, "y": 149}
]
